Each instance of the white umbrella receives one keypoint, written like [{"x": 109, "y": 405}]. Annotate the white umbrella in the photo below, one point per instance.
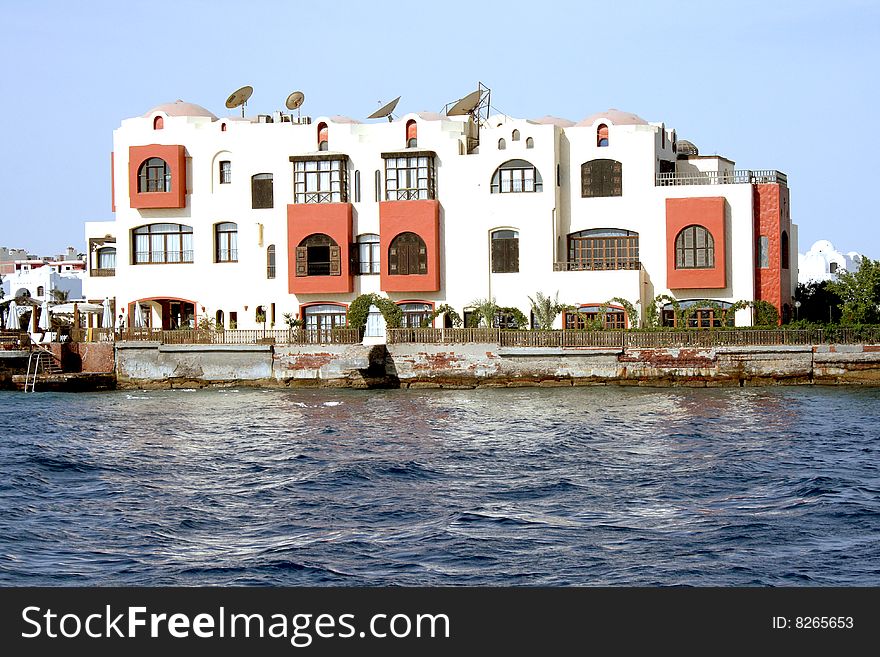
[
  {"x": 138, "y": 316},
  {"x": 45, "y": 322},
  {"x": 12, "y": 322},
  {"x": 107, "y": 319}
]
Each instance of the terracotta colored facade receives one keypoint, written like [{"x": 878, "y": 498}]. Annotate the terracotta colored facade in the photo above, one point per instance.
[
  {"x": 423, "y": 219},
  {"x": 707, "y": 212},
  {"x": 332, "y": 220},
  {"x": 772, "y": 219},
  {"x": 175, "y": 157}
]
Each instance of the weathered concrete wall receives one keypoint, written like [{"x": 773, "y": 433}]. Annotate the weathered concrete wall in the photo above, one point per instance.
[
  {"x": 85, "y": 356},
  {"x": 469, "y": 365}
]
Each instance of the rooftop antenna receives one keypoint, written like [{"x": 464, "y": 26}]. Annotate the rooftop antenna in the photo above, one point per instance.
[
  {"x": 385, "y": 110},
  {"x": 476, "y": 106},
  {"x": 294, "y": 102},
  {"x": 239, "y": 97}
]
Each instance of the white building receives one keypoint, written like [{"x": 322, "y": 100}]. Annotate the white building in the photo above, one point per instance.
[
  {"x": 39, "y": 279},
  {"x": 823, "y": 262},
  {"x": 236, "y": 218}
]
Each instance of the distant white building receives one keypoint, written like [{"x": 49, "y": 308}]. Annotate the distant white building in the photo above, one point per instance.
[
  {"x": 823, "y": 262},
  {"x": 38, "y": 279}
]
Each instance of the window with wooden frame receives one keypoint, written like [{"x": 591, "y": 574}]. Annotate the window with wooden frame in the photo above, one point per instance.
[
  {"x": 613, "y": 317},
  {"x": 318, "y": 255},
  {"x": 226, "y": 242},
  {"x": 699, "y": 314},
  {"x": 516, "y": 176},
  {"x": 320, "y": 181},
  {"x": 412, "y": 134},
  {"x": 162, "y": 244},
  {"x": 694, "y": 248},
  {"x": 407, "y": 255},
  {"x": 367, "y": 250},
  {"x": 262, "y": 194},
  {"x": 320, "y": 319},
  {"x": 154, "y": 175},
  {"x": 602, "y": 249},
  {"x": 409, "y": 178},
  {"x": 601, "y": 178},
  {"x": 505, "y": 251},
  {"x": 225, "y": 172},
  {"x": 270, "y": 261},
  {"x": 415, "y": 315}
]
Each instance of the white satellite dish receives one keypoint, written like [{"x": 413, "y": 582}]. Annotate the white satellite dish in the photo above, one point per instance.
[
  {"x": 295, "y": 100},
  {"x": 239, "y": 97},
  {"x": 465, "y": 105},
  {"x": 385, "y": 110}
]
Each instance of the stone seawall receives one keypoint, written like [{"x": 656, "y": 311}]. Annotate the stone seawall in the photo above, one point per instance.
[{"x": 150, "y": 364}]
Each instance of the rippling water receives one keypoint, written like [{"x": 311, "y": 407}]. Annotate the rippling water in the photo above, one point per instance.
[{"x": 577, "y": 486}]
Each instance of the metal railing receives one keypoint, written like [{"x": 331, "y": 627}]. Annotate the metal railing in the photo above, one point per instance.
[
  {"x": 738, "y": 176},
  {"x": 638, "y": 339}
]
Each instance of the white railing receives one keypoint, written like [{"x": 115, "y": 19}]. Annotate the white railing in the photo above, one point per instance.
[{"x": 738, "y": 176}]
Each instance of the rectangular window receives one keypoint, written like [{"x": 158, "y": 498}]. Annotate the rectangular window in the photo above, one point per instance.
[
  {"x": 320, "y": 181},
  {"x": 409, "y": 178},
  {"x": 763, "y": 252},
  {"x": 261, "y": 191},
  {"x": 603, "y": 253},
  {"x": 225, "y": 172},
  {"x": 368, "y": 257}
]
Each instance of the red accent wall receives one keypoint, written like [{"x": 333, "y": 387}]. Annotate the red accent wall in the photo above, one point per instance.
[
  {"x": 771, "y": 218},
  {"x": 423, "y": 219},
  {"x": 709, "y": 213},
  {"x": 175, "y": 156},
  {"x": 331, "y": 219},
  {"x": 112, "y": 181}
]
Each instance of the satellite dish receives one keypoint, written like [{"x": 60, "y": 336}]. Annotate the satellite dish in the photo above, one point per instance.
[
  {"x": 466, "y": 105},
  {"x": 239, "y": 97},
  {"x": 385, "y": 110},
  {"x": 295, "y": 100}
]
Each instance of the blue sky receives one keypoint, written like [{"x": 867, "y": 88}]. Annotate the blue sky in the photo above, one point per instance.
[{"x": 776, "y": 85}]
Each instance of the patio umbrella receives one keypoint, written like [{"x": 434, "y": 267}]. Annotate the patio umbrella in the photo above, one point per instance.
[
  {"x": 12, "y": 322},
  {"x": 107, "y": 319},
  {"x": 45, "y": 321},
  {"x": 138, "y": 316}
]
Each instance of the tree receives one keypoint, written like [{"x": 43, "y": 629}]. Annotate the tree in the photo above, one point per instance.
[
  {"x": 859, "y": 293},
  {"x": 818, "y": 302},
  {"x": 60, "y": 296},
  {"x": 546, "y": 309},
  {"x": 485, "y": 310}
]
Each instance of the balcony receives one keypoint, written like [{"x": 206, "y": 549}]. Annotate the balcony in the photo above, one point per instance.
[
  {"x": 102, "y": 271},
  {"x": 584, "y": 265},
  {"x": 746, "y": 176}
]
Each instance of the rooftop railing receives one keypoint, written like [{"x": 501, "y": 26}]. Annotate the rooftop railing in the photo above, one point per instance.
[{"x": 737, "y": 176}]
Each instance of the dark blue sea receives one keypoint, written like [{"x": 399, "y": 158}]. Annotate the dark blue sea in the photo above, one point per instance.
[{"x": 559, "y": 487}]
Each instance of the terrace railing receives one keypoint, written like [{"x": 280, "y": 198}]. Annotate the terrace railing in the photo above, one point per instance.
[
  {"x": 442, "y": 335},
  {"x": 242, "y": 336},
  {"x": 738, "y": 176}
]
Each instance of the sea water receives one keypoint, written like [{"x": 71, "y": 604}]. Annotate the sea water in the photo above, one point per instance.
[{"x": 575, "y": 486}]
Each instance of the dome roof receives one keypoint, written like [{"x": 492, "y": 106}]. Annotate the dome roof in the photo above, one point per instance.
[
  {"x": 614, "y": 117},
  {"x": 686, "y": 147},
  {"x": 181, "y": 108},
  {"x": 553, "y": 120}
]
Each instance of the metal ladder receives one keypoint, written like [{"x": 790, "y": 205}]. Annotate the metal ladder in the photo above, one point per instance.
[{"x": 43, "y": 359}]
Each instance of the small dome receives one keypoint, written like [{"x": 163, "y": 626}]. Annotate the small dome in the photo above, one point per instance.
[
  {"x": 614, "y": 117},
  {"x": 181, "y": 108},
  {"x": 343, "y": 119},
  {"x": 684, "y": 147},
  {"x": 822, "y": 246},
  {"x": 553, "y": 120}
]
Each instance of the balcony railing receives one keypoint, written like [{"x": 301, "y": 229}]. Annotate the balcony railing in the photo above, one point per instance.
[
  {"x": 619, "y": 265},
  {"x": 162, "y": 257},
  {"x": 103, "y": 271},
  {"x": 739, "y": 176},
  {"x": 240, "y": 336}
]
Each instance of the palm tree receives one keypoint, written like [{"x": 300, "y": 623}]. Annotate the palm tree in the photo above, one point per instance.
[
  {"x": 60, "y": 296},
  {"x": 546, "y": 309}
]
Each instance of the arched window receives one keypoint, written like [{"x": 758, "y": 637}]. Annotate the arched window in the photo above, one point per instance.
[
  {"x": 505, "y": 251},
  {"x": 219, "y": 319},
  {"x": 415, "y": 314},
  {"x": 407, "y": 254},
  {"x": 262, "y": 195},
  {"x": 270, "y": 261},
  {"x": 783, "y": 247},
  {"x": 502, "y": 144},
  {"x": 602, "y": 135},
  {"x": 587, "y": 316},
  {"x": 601, "y": 178},
  {"x": 222, "y": 129},
  {"x": 226, "y": 242},
  {"x": 106, "y": 258},
  {"x": 368, "y": 254},
  {"x": 412, "y": 136},
  {"x": 162, "y": 243},
  {"x": 694, "y": 248},
  {"x": 158, "y": 123},
  {"x": 530, "y": 143},
  {"x": 154, "y": 175},
  {"x": 319, "y": 320},
  {"x": 516, "y": 176},
  {"x": 318, "y": 255},
  {"x": 40, "y": 290},
  {"x": 699, "y": 313},
  {"x": 260, "y": 314},
  {"x": 323, "y": 143},
  {"x": 602, "y": 249},
  {"x": 514, "y": 136},
  {"x": 357, "y": 186}
]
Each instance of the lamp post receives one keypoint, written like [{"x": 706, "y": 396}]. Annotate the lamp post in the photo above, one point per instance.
[{"x": 797, "y": 305}]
